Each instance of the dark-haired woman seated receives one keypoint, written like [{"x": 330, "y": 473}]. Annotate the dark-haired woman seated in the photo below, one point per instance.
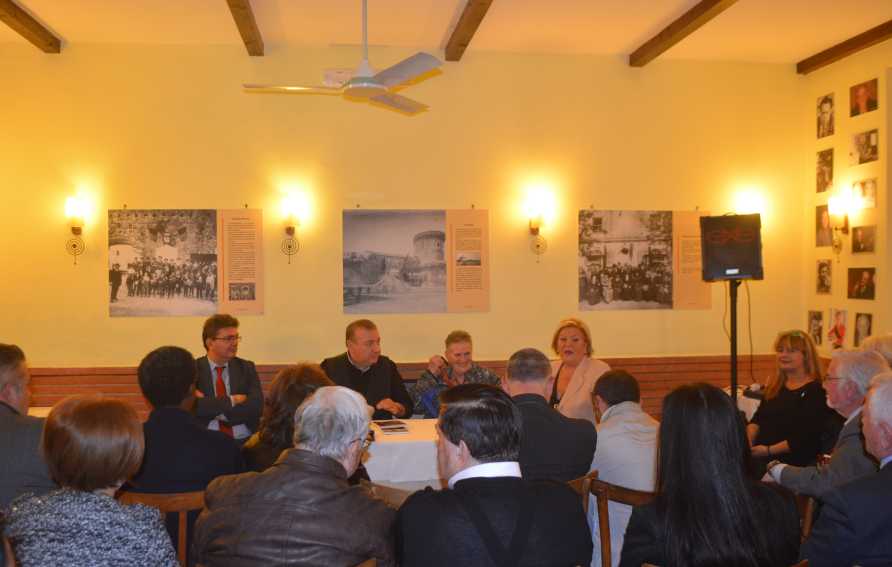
[
  {"x": 708, "y": 511},
  {"x": 92, "y": 445},
  {"x": 793, "y": 423},
  {"x": 289, "y": 389}
]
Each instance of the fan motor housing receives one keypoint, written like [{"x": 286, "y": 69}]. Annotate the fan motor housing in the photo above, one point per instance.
[{"x": 363, "y": 87}]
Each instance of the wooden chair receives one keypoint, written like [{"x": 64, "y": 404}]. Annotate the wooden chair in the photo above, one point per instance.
[
  {"x": 807, "y": 506},
  {"x": 604, "y": 492},
  {"x": 582, "y": 486},
  {"x": 368, "y": 563},
  {"x": 179, "y": 503}
]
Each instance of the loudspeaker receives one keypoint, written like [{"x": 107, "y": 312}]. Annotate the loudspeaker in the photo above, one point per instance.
[{"x": 731, "y": 246}]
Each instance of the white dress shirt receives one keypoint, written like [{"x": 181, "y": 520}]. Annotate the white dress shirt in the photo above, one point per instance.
[
  {"x": 239, "y": 431},
  {"x": 487, "y": 470}
]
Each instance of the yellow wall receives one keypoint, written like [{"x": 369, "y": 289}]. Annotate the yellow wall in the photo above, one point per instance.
[
  {"x": 169, "y": 127},
  {"x": 837, "y": 78}
]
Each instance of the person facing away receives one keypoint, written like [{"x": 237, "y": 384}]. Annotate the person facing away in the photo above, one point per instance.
[
  {"x": 553, "y": 446},
  {"x": 856, "y": 518},
  {"x": 488, "y": 515},
  {"x": 455, "y": 366},
  {"x": 626, "y": 455},
  {"x": 848, "y": 378},
  {"x": 229, "y": 398},
  {"x": 364, "y": 369},
  {"x": 301, "y": 511},
  {"x": 708, "y": 511}
]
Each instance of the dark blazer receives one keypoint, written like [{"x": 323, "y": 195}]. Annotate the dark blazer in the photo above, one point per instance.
[
  {"x": 381, "y": 380},
  {"x": 242, "y": 380},
  {"x": 855, "y": 524},
  {"x": 434, "y": 530},
  {"x": 22, "y": 469},
  {"x": 554, "y": 446},
  {"x": 777, "y": 516}
]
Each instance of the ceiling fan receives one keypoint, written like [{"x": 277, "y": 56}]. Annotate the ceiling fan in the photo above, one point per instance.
[{"x": 365, "y": 85}]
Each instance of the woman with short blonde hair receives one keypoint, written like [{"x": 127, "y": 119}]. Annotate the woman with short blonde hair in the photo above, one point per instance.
[{"x": 575, "y": 372}]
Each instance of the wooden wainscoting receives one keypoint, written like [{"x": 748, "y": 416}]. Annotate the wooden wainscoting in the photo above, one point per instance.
[{"x": 657, "y": 376}]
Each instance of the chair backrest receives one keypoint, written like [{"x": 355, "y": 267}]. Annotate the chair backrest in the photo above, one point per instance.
[
  {"x": 604, "y": 492},
  {"x": 180, "y": 503},
  {"x": 582, "y": 486}
]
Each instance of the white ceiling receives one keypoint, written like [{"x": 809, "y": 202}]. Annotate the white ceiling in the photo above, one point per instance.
[{"x": 777, "y": 31}]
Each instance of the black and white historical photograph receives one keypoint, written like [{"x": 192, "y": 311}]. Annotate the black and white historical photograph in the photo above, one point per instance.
[
  {"x": 863, "y": 98},
  {"x": 865, "y": 147},
  {"x": 825, "y": 276},
  {"x": 162, "y": 262},
  {"x": 816, "y": 326},
  {"x": 866, "y": 190},
  {"x": 394, "y": 261},
  {"x": 823, "y": 230},
  {"x": 864, "y": 239},
  {"x": 825, "y": 115},
  {"x": 625, "y": 259},
  {"x": 824, "y": 170},
  {"x": 862, "y": 283},
  {"x": 242, "y": 292},
  {"x": 863, "y": 327}
]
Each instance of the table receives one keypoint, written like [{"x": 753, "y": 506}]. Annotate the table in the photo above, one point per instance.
[
  {"x": 405, "y": 460},
  {"x": 39, "y": 411}
]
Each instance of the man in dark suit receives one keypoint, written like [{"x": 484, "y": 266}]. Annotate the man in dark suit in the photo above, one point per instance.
[
  {"x": 489, "y": 515},
  {"x": 181, "y": 454},
  {"x": 856, "y": 519},
  {"x": 22, "y": 469},
  {"x": 363, "y": 369},
  {"x": 229, "y": 395},
  {"x": 553, "y": 447}
]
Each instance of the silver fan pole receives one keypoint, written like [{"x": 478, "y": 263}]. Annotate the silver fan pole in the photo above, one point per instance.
[{"x": 365, "y": 33}]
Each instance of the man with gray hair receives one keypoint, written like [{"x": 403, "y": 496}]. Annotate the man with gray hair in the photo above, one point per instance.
[
  {"x": 301, "y": 511},
  {"x": 848, "y": 378},
  {"x": 553, "y": 446},
  {"x": 856, "y": 519}
]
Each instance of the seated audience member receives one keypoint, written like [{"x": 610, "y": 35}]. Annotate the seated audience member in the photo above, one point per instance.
[
  {"x": 363, "y": 369},
  {"x": 301, "y": 511},
  {"x": 454, "y": 367},
  {"x": 92, "y": 445},
  {"x": 489, "y": 515},
  {"x": 22, "y": 469},
  {"x": 708, "y": 511},
  {"x": 229, "y": 395},
  {"x": 626, "y": 455},
  {"x": 793, "y": 423},
  {"x": 848, "y": 378},
  {"x": 576, "y": 372},
  {"x": 881, "y": 344},
  {"x": 553, "y": 446},
  {"x": 289, "y": 389},
  {"x": 855, "y": 522}
]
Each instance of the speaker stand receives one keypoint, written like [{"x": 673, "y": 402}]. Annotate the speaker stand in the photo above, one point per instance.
[{"x": 732, "y": 288}]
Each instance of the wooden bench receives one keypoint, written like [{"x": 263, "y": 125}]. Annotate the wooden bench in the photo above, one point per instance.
[{"x": 656, "y": 375}]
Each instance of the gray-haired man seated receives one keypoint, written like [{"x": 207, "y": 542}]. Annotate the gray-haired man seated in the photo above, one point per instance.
[{"x": 301, "y": 511}]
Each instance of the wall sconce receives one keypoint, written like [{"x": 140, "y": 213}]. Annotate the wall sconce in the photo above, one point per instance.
[
  {"x": 75, "y": 211},
  {"x": 291, "y": 214},
  {"x": 539, "y": 205},
  {"x": 839, "y": 207}
]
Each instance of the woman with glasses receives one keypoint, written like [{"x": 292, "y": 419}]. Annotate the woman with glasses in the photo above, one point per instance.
[{"x": 793, "y": 423}]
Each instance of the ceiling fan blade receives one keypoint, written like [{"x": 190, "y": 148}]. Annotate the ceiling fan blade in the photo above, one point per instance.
[
  {"x": 408, "y": 69},
  {"x": 399, "y": 103},
  {"x": 285, "y": 89}
]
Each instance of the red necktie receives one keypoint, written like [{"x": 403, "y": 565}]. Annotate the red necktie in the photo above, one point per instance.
[{"x": 220, "y": 388}]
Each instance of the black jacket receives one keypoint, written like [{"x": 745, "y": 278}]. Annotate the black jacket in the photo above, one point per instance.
[
  {"x": 381, "y": 380},
  {"x": 433, "y": 529},
  {"x": 554, "y": 446}
]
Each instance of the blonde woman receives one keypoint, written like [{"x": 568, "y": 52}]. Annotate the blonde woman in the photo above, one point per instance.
[
  {"x": 793, "y": 422},
  {"x": 575, "y": 372}
]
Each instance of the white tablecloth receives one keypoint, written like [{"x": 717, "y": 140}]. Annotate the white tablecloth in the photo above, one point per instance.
[
  {"x": 39, "y": 411},
  {"x": 404, "y": 457}
]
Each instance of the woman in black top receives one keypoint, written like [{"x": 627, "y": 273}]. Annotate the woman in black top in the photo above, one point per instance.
[
  {"x": 708, "y": 511},
  {"x": 793, "y": 423}
]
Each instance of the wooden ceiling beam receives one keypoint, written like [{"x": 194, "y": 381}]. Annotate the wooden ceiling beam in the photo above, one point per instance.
[
  {"x": 681, "y": 28},
  {"x": 243, "y": 15},
  {"x": 28, "y": 27},
  {"x": 848, "y": 47},
  {"x": 471, "y": 16}
]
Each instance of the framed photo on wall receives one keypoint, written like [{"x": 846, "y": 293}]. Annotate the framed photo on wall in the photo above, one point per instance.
[
  {"x": 865, "y": 147},
  {"x": 823, "y": 232},
  {"x": 864, "y": 239},
  {"x": 867, "y": 190},
  {"x": 825, "y": 116},
  {"x": 816, "y": 326},
  {"x": 862, "y": 283},
  {"x": 863, "y": 98},
  {"x": 825, "y": 277},
  {"x": 824, "y": 170},
  {"x": 863, "y": 327},
  {"x": 836, "y": 335}
]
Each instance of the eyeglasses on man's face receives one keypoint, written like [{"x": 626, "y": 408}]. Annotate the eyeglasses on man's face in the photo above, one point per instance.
[
  {"x": 229, "y": 339},
  {"x": 367, "y": 440}
]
